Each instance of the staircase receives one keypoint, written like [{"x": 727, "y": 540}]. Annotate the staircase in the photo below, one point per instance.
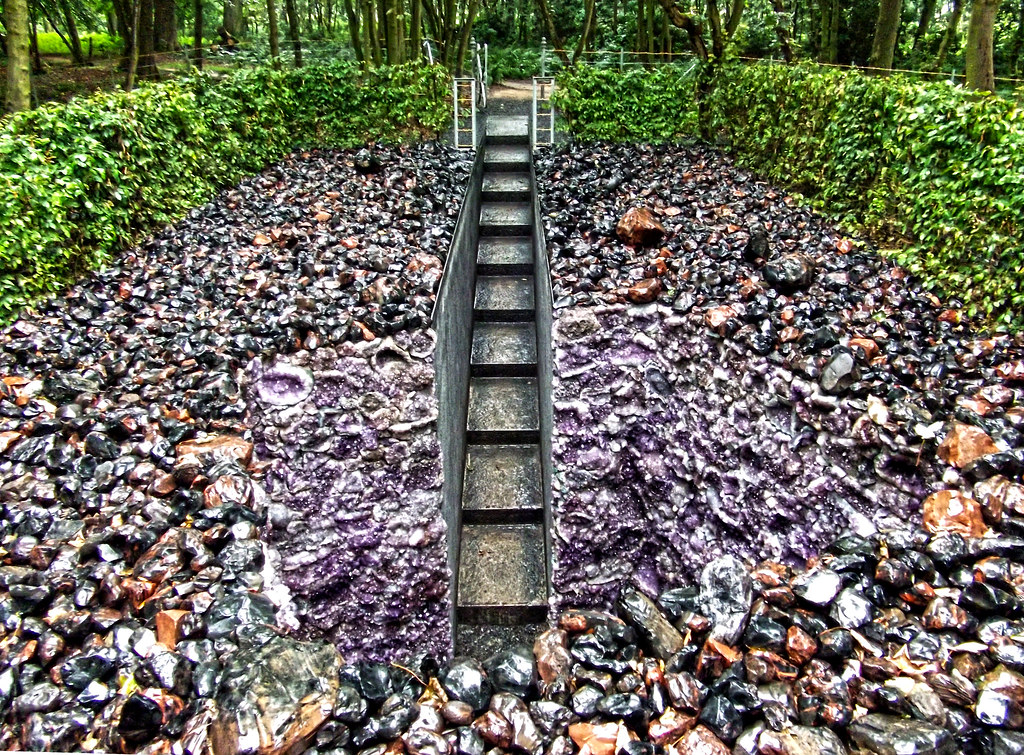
[{"x": 502, "y": 575}]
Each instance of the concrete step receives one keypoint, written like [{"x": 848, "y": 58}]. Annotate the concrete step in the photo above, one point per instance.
[
  {"x": 507, "y": 158},
  {"x": 504, "y": 349},
  {"x": 502, "y": 574},
  {"x": 506, "y": 219},
  {"x": 513, "y": 129},
  {"x": 503, "y": 298},
  {"x": 503, "y": 410},
  {"x": 484, "y": 640},
  {"x": 506, "y": 187},
  {"x": 502, "y": 485},
  {"x": 504, "y": 255}
]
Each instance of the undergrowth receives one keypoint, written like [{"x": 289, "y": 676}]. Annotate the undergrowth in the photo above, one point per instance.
[
  {"x": 80, "y": 181},
  {"x": 933, "y": 171}
]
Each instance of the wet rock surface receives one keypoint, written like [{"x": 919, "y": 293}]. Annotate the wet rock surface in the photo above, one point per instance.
[
  {"x": 784, "y": 384},
  {"x": 138, "y": 567}
]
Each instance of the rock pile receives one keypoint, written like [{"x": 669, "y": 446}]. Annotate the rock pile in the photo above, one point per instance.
[
  {"x": 778, "y": 384},
  {"x": 134, "y": 564}
]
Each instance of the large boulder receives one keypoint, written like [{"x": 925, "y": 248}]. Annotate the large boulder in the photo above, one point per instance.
[{"x": 274, "y": 697}]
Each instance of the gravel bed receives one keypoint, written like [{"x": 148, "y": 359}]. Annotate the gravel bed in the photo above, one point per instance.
[{"x": 138, "y": 561}]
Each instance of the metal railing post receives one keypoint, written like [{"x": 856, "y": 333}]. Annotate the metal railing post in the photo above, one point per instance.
[
  {"x": 622, "y": 58},
  {"x": 533, "y": 117},
  {"x": 455, "y": 99},
  {"x": 429, "y": 50},
  {"x": 544, "y": 56}
]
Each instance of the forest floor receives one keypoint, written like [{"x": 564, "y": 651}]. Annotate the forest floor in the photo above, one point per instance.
[{"x": 60, "y": 80}]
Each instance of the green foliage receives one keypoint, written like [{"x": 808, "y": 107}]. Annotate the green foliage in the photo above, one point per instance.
[
  {"x": 936, "y": 170},
  {"x": 654, "y": 104},
  {"x": 513, "y": 63},
  {"x": 50, "y": 43},
  {"x": 80, "y": 181}
]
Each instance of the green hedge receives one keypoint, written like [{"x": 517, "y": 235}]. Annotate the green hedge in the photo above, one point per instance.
[
  {"x": 78, "y": 182},
  {"x": 932, "y": 170}
]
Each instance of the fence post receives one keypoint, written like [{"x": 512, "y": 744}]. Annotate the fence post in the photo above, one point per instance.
[
  {"x": 622, "y": 58},
  {"x": 543, "y": 56}
]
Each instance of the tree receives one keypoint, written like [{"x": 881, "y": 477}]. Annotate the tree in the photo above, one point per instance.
[
  {"x": 952, "y": 24},
  {"x": 275, "y": 52},
  {"x": 19, "y": 63},
  {"x": 978, "y": 52},
  {"x": 886, "y": 29},
  {"x": 197, "y": 33},
  {"x": 165, "y": 25},
  {"x": 293, "y": 30},
  {"x": 828, "y": 35}
]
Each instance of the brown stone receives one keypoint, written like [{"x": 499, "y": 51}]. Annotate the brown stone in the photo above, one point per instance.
[
  {"x": 790, "y": 334},
  {"x": 137, "y": 590},
  {"x": 670, "y": 726},
  {"x": 1012, "y": 371},
  {"x": 168, "y": 626},
  {"x": 943, "y": 613},
  {"x": 599, "y": 739},
  {"x": 552, "y": 655},
  {"x": 495, "y": 729},
  {"x": 800, "y": 646},
  {"x": 868, "y": 347},
  {"x": 997, "y": 495},
  {"x": 645, "y": 291},
  {"x": 639, "y": 227},
  {"x": 717, "y": 317},
  {"x": 952, "y": 511},
  {"x": 162, "y": 484},
  {"x": 699, "y": 740},
  {"x": 715, "y": 657},
  {"x": 997, "y": 395},
  {"x": 218, "y": 448},
  {"x": 8, "y": 439},
  {"x": 976, "y": 405},
  {"x": 965, "y": 443}
]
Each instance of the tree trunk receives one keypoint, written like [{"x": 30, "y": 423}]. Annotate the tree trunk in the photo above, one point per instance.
[
  {"x": 233, "y": 18},
  {"x": 133, "y": 60},
  {"x": 781, "y": 32},
  {"x": 275, "y": 52},
  {"x": 927, "y": 14},
  {"x": 145, "y": 41},
  {"x": 353, "y": 30},
  {"x": 416, "y": 30},
  {"x": 165, "y": 30},
  {"x": 197, "y": 34},
  {"x": 73, "y": 40},
  {"x": 691, "y": 26},
  {"x": 393, "y": 38},
  {"x": 950, "y": 36},
  {"x": 649, "y": 34},
  {"x": 883, "y": 47},
  {"x": 830, "y": 15},
  {"x": 641, "y": 26},
  {"x": 553, "y": 36},
  {"x": 19, "y": 60},
  {"x": 1018, "y": 41},
  {"x": 467, "y": 32},
  {"x": 293, "y": 30},
  {"x": 978, "y": 53},
  {"x": 370, "y": 25},
  {"x": 588, "y": 24}
]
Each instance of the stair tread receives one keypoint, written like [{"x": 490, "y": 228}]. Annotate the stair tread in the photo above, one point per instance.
[
  {"x": 505, "y": 250},
  {"x": 506, "y": 214},
  {"x": 507, "y": 155},
  {"x": 503, "y": 404},
  {"x": 497, "y": 343},
  {"x": 504, "y": 292},
  {"x": 506, "y": 183},
  {"x": 502, "y": 565},
  {"x": 511, "y": 126},
  {"x": 502, "y": 478}
]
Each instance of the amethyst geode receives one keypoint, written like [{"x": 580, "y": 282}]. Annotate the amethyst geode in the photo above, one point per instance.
[
  {"x": 355, "y": 483},
  {"x": 673, "y": 446}
]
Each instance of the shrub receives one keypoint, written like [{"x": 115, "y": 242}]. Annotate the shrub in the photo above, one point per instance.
[
  {"x": 80, "y": 181},
  {"x": 933, "y": 170}
]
